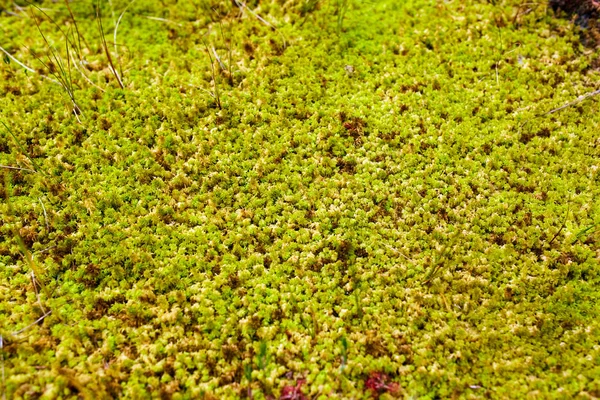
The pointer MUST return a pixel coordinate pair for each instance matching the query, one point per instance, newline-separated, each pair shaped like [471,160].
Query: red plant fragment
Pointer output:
[290,392]
[378,382]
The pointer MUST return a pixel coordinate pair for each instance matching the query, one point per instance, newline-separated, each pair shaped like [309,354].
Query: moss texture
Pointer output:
[356,199]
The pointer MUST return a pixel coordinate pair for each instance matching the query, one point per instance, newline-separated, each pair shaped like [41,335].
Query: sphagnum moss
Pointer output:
[381,204]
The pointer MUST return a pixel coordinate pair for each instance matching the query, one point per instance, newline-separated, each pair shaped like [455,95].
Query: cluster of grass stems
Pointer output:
[61,67]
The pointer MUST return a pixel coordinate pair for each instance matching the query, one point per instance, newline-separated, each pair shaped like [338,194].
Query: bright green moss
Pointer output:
[389,181]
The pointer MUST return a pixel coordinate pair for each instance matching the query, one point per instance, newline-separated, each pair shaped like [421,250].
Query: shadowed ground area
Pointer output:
[298,200]
[585,14]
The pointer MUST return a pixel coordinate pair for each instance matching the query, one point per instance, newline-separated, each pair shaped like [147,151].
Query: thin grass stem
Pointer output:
[35,166]
[37,294]
[85,76]
[214,76]
[63,75]
[115,35]
[18,168]
[228,44]
[105,46]
[26,67]
[162,20]
[37,321]
[223,68]
[576,101]
[45,214]
[242,6]
[79,35]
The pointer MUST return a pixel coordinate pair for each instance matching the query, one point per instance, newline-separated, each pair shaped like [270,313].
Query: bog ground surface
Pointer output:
[298,199]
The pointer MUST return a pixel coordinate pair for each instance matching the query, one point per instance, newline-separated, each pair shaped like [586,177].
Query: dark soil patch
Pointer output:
[586,14]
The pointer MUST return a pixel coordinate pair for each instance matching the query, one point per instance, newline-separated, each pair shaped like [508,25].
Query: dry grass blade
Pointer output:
[242,6]
[105,46]
[88,80]
[228,44]
[31,262]
[216,95]
[25,66]
[63,74]
[18,168]
[221,64]
[79,35]
[17,61]
[162,20]
[35,166]
[37,321]
[45,214]
[115,34]
[569,104]
[576,101]
[35,284]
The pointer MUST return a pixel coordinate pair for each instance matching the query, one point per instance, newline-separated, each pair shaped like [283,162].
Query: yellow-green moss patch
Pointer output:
[355,195]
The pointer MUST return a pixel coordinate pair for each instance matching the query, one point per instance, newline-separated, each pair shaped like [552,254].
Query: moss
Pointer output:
[379,198]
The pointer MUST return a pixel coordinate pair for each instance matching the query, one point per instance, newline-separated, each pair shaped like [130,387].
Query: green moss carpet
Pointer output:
[298,199]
